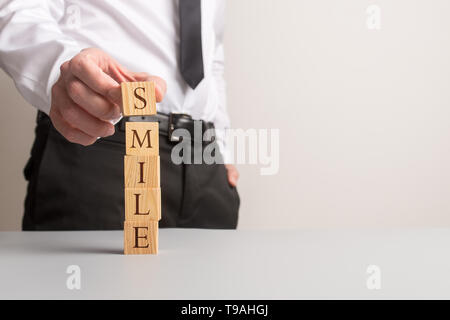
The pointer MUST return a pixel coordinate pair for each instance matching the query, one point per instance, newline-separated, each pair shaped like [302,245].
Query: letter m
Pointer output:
[141,142]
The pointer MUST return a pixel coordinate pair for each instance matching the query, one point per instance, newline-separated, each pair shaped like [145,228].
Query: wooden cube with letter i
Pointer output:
[141,170]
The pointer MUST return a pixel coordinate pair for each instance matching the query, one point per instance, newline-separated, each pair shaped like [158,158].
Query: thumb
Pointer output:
[160,84]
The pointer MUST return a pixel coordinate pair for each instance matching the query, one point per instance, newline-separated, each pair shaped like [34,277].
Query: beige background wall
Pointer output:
[16,132]
[363,115]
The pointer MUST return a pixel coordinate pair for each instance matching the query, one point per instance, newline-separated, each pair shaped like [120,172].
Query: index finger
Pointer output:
[86,70]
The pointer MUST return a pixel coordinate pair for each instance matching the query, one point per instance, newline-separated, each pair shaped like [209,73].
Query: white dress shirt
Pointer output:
[37,36]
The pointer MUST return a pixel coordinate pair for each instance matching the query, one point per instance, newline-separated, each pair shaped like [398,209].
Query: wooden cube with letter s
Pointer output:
[141,170]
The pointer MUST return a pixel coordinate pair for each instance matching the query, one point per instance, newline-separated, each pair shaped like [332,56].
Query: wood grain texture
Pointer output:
[140,237]
[142,204]
[142,171]
[138,98]
[142,138]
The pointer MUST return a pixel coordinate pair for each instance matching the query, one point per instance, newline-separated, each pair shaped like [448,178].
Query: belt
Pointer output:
[173,121]
[167,124]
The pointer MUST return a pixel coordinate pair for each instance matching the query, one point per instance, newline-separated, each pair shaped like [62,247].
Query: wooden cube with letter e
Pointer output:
[141,237]
[141,170]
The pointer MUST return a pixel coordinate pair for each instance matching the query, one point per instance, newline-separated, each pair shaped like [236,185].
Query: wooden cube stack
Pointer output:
[141,170]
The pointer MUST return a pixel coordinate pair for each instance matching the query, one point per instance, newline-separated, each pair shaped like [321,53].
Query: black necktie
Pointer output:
[191,60]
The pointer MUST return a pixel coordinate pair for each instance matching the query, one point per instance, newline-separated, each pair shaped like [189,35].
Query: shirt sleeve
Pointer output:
[222,120]
[32,47]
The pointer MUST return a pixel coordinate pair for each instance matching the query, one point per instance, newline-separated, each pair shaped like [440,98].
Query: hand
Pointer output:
[233,174]
[87,95]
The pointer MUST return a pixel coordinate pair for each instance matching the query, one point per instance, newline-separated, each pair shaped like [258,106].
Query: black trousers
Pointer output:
[71,187]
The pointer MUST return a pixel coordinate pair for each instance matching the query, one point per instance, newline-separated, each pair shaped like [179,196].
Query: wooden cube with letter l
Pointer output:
[142,204]
[141,170]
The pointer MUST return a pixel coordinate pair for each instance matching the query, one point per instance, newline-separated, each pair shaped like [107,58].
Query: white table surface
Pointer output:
[242,264]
